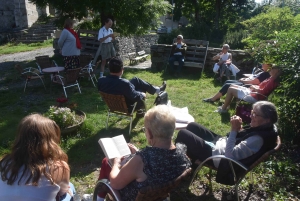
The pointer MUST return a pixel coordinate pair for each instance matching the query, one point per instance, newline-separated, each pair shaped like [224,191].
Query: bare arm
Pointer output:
[133,170]
[60,172]
[106,37]
[249,81]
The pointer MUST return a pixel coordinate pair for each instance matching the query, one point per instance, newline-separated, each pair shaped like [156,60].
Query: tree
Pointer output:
[132,16]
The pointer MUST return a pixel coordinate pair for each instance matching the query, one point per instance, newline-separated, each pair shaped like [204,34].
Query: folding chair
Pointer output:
[158,192]
[29,74]
[70,79]
[117,106]
[87,68]
[234,164]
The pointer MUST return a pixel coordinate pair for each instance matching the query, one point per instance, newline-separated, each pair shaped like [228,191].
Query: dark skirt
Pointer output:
[71,62]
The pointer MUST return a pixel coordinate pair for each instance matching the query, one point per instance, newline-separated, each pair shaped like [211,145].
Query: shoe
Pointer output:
[208,100]
[163,86]
[140,113]
[220,110]
[220,107]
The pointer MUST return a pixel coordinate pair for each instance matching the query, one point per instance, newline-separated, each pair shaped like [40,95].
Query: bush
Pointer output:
[234,38]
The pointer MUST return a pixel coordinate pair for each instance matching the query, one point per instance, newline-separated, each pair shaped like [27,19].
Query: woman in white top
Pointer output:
[36,168]
[225,59]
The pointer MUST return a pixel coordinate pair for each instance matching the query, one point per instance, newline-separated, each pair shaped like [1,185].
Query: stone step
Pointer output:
[35,37]
[39,34]
[40,31]
[30,41]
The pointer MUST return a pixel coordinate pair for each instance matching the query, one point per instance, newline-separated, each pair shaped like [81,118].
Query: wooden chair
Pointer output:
[117,106]
[87,68]
[237,178]
[44,62]
[70,79]
[158,192]
[29,74]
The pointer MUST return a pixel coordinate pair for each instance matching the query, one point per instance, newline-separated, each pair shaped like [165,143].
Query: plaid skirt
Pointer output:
[71,62]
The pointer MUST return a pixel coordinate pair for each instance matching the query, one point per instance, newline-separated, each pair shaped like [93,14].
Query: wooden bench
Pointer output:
[133,58]
[196,52]
[89,41]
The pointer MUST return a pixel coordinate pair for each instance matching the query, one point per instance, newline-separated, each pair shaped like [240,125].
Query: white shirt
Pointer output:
[105,32]
[178,46]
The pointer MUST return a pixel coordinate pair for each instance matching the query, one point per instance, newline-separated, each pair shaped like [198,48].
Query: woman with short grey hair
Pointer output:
[243,143]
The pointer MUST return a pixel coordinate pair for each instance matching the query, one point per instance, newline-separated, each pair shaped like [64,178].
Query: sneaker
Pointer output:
[163,86]
[220,110]
[220,107]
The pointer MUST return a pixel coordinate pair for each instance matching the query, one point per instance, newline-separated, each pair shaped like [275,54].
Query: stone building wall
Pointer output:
[7,19]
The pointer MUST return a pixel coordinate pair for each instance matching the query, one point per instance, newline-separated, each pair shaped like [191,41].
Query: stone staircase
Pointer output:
[38,33]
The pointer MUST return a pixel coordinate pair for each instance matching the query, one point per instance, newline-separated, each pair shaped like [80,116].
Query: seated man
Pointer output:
[225,63]
[177,54]
[133,90]
[255,80]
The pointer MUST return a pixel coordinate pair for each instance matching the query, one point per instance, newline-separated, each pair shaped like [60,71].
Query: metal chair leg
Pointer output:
[108,114]
[78,87]
[65,92]
[25,84]
[130,125]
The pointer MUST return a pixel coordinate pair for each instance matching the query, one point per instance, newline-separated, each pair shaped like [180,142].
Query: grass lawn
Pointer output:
[84,152]
[11,48]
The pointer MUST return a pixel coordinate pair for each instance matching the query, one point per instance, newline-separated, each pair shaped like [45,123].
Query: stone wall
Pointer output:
[7,19]
[125,45]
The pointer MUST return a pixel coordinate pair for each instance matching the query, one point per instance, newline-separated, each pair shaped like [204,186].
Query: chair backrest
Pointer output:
[266,155]
[72,75]
[85,60]
[161,191]
[115,103]
[196,50]
[44,61]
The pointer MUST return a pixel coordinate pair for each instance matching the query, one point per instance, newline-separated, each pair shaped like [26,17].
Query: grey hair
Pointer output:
[226,46]
[268,110]
[160,121]
[180,36]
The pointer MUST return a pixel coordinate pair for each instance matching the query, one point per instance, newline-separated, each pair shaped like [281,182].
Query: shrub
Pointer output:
[63,116]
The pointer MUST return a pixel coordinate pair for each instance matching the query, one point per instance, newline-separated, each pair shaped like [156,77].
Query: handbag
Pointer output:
[162,98]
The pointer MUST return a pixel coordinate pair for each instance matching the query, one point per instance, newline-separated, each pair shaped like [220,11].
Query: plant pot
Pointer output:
[72,129]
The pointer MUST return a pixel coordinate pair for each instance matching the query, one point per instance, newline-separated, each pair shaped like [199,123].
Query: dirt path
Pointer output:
[7,60]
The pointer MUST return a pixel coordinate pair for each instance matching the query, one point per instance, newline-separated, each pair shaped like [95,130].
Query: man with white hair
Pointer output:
[177,54]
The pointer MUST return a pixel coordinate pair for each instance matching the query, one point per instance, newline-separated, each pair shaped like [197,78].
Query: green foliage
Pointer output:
[132,17]
[234,38]
[198,31]
[265,25]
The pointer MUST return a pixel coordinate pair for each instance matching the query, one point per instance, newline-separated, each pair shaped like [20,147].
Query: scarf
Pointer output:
[78,45]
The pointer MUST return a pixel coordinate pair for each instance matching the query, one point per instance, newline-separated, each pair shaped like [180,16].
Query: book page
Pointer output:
[109,148]
[121,145]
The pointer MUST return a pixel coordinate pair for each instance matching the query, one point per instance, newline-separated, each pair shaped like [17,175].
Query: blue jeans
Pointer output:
[180,60]
[227,84]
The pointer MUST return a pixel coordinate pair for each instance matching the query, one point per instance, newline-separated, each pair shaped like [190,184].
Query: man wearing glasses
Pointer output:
[177,54]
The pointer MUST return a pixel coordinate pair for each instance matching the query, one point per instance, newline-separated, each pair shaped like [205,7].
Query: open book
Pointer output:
[114,147]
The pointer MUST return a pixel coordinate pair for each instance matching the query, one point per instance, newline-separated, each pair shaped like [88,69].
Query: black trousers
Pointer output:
[193,137]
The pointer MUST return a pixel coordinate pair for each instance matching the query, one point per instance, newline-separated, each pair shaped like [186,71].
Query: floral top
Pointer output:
[160,166]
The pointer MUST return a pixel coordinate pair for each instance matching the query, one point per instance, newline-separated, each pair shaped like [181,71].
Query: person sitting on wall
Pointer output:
[134,90]
[177,54]
[243,81]
[225,63]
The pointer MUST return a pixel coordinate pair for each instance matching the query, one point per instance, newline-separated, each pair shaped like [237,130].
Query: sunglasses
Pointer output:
[178,38]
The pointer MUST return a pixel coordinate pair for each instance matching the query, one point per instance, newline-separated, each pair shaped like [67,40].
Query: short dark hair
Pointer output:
[115,65]
[107,20]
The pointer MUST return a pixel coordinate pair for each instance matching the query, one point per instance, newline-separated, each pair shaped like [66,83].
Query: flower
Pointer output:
[63,116]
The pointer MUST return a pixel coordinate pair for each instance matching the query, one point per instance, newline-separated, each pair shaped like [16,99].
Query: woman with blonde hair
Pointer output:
[36,168]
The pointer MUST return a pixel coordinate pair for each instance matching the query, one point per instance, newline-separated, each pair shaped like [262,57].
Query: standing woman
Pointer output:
[70,46]
[36,168]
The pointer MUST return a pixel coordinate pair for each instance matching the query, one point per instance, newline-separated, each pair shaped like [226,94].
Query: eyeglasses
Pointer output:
[178,38]
[253,114]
